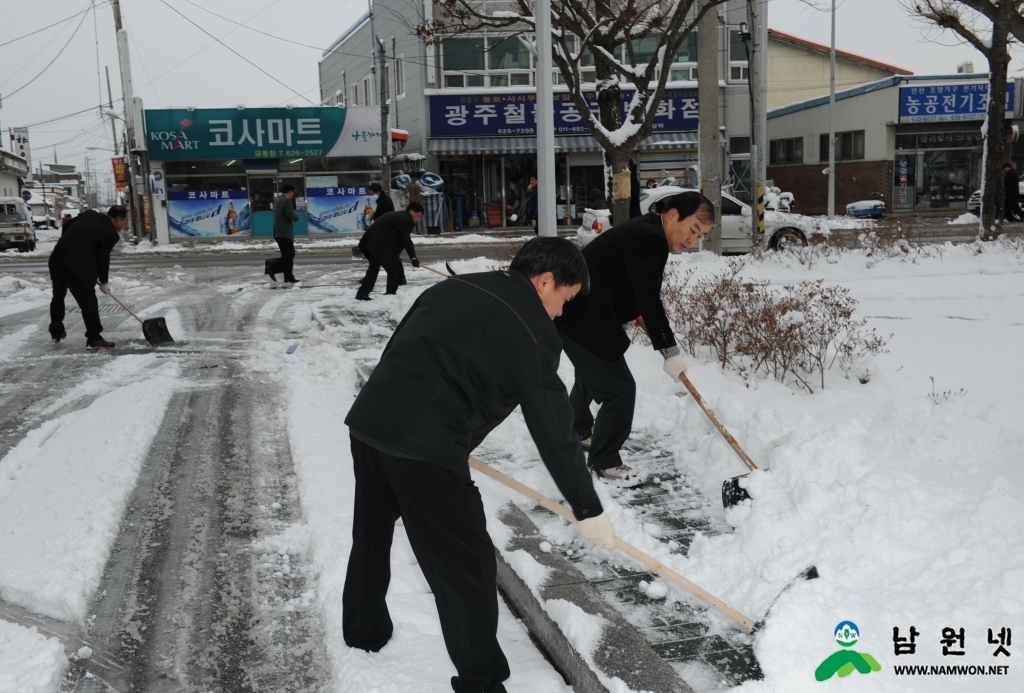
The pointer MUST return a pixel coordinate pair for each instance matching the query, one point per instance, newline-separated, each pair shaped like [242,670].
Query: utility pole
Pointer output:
[385,132]
[130,135]
[758,147]
[710,148]
[832,122]
[110,104]
[547,223]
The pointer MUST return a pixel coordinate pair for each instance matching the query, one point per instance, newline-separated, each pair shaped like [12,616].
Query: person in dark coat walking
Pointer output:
[1011,192]
[382,245]
[626,265]
[468,352]
[80,259]
[284,222]
[384,203]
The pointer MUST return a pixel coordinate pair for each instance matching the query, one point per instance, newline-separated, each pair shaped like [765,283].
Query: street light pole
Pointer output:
[832,122]
[130,130]
[547,224]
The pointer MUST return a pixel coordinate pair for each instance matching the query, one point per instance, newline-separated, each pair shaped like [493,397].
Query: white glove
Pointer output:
[674,366]
[105,287]
[598,530]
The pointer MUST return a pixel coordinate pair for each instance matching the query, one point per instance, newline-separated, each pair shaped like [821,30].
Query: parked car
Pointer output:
[16,227]
[974,203]
[781,228]
[870,209]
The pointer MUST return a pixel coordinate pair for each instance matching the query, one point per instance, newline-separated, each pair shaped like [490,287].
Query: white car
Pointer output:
[781,228]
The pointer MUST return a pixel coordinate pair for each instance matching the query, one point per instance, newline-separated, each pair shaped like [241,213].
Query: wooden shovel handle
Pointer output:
[714,419]
[636,554]
[111,294]
[431,269]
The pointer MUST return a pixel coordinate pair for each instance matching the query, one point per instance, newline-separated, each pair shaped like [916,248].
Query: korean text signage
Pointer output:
[338,210]
[262,133]
[946,103]
[20,145]
[497,114]
[121,175]
[207,213]
[904,183]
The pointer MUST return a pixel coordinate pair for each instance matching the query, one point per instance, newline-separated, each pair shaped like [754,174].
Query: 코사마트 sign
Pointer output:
[945,103]
[338,210]
[262,133]
[515,114]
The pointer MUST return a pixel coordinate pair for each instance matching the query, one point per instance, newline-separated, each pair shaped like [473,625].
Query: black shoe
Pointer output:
[293,280]
[100,344]
[58,340]
[266,270]
[361,297]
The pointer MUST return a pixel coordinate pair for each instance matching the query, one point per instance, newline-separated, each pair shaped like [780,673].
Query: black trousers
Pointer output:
[396,275]
[444,518]
[1011,209]
[611,385]
[284,263]
[64,281]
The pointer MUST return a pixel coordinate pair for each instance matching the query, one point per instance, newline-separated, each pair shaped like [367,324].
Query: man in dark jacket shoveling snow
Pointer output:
[383,243]
[469,351]
[80,259]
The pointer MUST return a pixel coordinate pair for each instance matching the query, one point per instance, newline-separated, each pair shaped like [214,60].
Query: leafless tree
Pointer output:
[600,28]
[985,24]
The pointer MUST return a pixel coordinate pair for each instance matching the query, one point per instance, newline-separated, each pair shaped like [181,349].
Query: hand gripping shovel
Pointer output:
[154,329]
[732,492]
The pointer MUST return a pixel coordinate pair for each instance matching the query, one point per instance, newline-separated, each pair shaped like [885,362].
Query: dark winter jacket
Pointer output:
[65,224]
[284,217]
[84,248]
[468,352]
[1011,186]
[626,263]
[384,205]
[389,235]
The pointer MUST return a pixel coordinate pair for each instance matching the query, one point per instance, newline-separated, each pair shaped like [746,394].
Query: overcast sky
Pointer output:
[175,64]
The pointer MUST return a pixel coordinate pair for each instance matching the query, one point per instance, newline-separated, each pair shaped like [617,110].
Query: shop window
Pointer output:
[739,71]
[400,76]
[787,151]
[849,146]
[354,99]
[203,168]
[368,99]
[186,183]
[342,164]
[739,145]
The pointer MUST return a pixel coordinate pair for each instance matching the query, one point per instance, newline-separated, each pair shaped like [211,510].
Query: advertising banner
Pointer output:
[904,183]
[121,174]
[947,103]
[20,145]
[208,213]
[497,114]
[338,210]
[262,133]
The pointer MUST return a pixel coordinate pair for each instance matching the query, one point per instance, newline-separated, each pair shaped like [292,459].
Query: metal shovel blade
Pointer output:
[156,332]
[733,493]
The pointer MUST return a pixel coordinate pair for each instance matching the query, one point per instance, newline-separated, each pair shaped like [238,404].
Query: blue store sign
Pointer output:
[511,114]
[946,103]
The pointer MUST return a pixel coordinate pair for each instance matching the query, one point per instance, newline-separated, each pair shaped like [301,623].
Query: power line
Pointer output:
[50,26]
[243,26]
[63,117]
[80,22]
[236,52]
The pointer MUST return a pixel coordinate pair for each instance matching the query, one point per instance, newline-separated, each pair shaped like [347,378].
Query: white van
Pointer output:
[16,228]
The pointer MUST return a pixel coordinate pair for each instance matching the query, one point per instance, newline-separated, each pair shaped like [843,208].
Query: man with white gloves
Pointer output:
[626,265]
[469,351]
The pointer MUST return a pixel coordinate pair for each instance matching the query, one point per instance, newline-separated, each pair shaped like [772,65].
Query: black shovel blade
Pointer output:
[156,332]
[733,493]
[449,268]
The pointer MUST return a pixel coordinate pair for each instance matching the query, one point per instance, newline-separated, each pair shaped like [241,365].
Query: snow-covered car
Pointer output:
[16,229]
[781,228]
[594,222]
[871,209]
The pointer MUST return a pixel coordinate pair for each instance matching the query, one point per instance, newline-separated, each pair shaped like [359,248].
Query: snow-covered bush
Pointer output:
[793,334]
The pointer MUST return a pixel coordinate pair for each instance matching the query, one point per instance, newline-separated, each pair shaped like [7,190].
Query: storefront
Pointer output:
[486,149]
[939,146]
[216,172]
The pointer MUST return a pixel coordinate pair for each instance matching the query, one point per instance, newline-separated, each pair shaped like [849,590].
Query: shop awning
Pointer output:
[576,144]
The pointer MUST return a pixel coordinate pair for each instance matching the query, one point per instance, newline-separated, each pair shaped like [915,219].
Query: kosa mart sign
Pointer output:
[262,133]
[947,103]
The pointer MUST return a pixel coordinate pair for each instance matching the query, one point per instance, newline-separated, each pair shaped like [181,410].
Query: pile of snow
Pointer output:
[29,662]
[966,218]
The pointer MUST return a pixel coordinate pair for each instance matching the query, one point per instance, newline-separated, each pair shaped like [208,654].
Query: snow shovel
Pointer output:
[154,329]
[744,622]
[732,492]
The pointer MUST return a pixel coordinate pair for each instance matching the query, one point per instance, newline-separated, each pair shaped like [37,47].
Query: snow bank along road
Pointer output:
[155,511]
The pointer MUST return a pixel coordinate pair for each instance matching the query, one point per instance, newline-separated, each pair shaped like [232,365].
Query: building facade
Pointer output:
[13,171]
[913,141]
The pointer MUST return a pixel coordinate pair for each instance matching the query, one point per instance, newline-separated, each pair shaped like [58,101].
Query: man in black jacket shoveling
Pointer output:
[626,266]
[382,244]
[80,259]
[469,351]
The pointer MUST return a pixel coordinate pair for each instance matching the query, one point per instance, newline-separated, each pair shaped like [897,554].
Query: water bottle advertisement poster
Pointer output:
[208,213]
[339,210]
